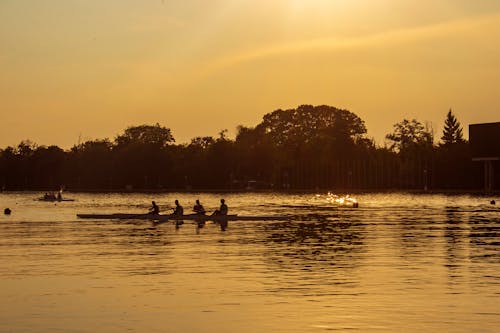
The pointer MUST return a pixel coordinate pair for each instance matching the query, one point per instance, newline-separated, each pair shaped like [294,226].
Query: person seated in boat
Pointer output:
[178,210]
[154,208]
[198,208]
[222,209]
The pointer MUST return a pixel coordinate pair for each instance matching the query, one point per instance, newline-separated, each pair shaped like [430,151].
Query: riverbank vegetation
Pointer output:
[309,147]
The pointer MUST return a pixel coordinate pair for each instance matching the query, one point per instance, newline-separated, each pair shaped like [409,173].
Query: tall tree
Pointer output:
[307,123]
[47,167]
[154,135]
[143,155]
[256,155]
[92,164]
[452,132]
[409,134]
[9,168]
[201,143]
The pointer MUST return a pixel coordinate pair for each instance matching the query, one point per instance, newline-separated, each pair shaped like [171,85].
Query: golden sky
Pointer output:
[88,69]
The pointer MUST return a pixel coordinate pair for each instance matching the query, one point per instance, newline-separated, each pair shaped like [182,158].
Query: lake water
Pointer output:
[398,263]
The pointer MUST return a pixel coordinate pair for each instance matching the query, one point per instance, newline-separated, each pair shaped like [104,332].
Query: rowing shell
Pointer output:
[158,217]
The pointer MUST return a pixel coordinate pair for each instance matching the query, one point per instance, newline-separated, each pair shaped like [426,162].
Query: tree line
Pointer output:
[308,147]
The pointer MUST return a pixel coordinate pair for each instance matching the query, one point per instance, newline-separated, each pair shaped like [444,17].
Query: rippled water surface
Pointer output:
[399,263]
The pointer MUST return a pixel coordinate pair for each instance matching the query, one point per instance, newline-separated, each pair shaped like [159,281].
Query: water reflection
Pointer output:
[397,263]
[418,232]
[317,240]
[455,246]
[223,225]
[484,237]
[311,257]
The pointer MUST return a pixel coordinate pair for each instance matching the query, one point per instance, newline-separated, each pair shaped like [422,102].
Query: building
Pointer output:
[484,140]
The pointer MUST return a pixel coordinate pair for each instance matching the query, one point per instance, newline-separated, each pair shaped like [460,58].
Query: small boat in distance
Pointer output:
[194,217]
[52,197]
[53,200]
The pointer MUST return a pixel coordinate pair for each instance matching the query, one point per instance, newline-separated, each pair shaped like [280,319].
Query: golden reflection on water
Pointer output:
[397,263]
[338,199]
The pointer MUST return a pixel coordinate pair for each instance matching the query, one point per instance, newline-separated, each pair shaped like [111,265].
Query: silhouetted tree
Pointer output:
[453,157]
[24,152]
[307,147]
[142,156]
[409,134]
[256,156]
[309,142]
[413,143]
[155,135]
[295,127]
[9,168]
[452,132]
[190,168]
[220,161]
[201,143]
[92,164]
[47,167]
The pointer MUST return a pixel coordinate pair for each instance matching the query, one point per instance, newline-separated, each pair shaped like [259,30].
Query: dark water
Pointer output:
[399,263]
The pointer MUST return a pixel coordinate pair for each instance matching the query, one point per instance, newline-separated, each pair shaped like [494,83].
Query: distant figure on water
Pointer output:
[492,202]
[154,208]
[59,195]
[222,209]
[178,210]
[198,208]
[49,196]
[7,211]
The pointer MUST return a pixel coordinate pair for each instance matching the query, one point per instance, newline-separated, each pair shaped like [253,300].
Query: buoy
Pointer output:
[7,211]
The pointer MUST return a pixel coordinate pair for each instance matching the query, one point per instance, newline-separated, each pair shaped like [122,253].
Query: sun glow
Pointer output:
[317,4]
[316,10]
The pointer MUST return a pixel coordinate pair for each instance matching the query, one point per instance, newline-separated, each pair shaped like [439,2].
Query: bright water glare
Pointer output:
[397,263]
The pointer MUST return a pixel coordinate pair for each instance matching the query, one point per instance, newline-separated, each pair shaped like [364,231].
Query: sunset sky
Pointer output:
[88,69]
